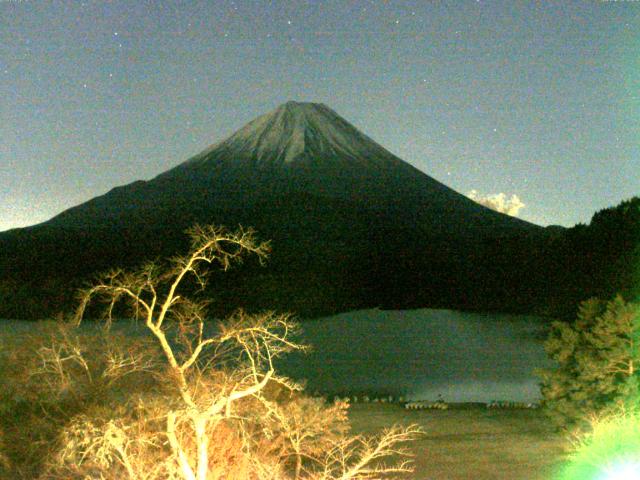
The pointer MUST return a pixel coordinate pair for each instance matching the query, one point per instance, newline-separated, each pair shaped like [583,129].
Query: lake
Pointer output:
[420,354]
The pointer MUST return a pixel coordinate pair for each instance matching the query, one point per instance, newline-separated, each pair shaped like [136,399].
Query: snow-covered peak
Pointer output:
[298,131]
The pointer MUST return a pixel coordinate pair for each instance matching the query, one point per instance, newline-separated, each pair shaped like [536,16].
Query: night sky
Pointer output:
[538,99]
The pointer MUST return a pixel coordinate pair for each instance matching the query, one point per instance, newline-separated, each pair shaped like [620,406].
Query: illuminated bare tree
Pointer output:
[155,296]
[221,375]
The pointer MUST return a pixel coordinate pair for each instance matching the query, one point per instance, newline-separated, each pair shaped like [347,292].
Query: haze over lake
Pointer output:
[424,353]
[421,354]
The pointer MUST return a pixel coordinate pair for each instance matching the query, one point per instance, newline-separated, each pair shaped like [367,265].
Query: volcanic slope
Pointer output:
[299,148]
[352,225]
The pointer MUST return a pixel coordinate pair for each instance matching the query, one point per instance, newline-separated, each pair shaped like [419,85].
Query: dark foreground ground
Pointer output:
[472,443]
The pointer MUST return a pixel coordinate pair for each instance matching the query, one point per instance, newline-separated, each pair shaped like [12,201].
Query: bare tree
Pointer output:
[359,458]
[221,377]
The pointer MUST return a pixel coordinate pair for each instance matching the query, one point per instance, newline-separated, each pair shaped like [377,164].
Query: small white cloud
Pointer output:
[498,202]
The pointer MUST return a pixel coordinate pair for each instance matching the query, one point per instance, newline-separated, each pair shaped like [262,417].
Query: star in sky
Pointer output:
[432,84]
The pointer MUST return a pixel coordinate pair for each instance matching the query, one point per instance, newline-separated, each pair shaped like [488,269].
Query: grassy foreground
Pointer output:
[472,443]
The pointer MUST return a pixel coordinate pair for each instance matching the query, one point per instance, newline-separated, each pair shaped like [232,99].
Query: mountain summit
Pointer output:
[297,133]
[307,148]
[298,150]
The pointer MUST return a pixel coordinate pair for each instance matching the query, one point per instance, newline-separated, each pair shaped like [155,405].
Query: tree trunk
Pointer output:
[200,425]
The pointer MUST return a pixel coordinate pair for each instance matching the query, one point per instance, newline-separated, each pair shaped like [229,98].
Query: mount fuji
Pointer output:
[299,148]
[351,224]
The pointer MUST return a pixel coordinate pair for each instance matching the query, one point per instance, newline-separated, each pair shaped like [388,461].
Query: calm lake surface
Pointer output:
[421,354]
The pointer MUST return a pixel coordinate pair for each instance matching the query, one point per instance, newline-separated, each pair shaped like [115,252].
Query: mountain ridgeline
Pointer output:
[352,226]
[298,149]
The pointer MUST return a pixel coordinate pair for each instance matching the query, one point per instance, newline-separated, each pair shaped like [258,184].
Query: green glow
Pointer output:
[623,471]
[610,452]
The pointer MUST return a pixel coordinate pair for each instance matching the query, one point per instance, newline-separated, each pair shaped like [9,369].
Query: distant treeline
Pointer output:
[366,265]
